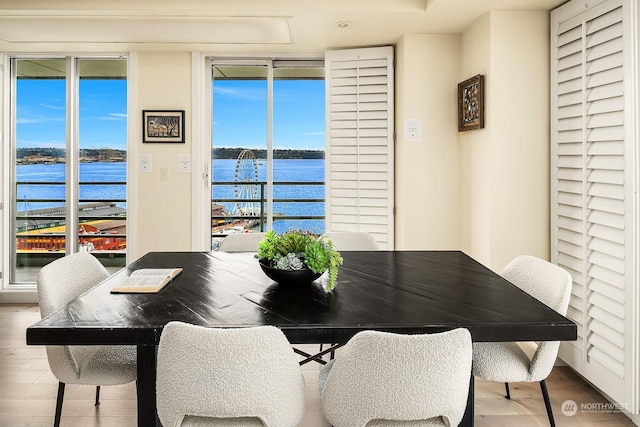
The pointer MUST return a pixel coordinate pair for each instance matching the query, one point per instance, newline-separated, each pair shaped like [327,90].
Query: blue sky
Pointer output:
[41,108]
[239,114]
[239,117]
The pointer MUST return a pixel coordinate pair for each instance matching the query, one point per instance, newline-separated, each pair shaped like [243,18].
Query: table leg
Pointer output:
[147,414]
[467,419]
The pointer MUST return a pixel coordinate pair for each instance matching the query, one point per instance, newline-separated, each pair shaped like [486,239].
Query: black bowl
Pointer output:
[288,277]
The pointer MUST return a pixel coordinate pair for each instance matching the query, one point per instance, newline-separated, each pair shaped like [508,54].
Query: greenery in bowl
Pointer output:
[297,250]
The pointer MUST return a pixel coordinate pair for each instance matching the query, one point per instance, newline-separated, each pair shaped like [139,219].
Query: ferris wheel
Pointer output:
[246,187]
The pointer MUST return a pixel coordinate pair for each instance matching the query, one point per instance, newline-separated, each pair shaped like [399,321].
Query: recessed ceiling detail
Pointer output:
[246,26]
[150,29]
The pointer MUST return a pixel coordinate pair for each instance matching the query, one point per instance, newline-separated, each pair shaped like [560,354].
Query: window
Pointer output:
[68,149]
[267,146]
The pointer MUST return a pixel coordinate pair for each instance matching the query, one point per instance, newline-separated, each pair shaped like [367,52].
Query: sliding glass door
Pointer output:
[68,168]
[267,146]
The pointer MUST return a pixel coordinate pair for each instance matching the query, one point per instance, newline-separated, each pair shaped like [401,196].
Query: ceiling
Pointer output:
[234,26]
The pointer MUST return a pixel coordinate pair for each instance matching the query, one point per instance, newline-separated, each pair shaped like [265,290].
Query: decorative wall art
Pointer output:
[471,103]
[163,126]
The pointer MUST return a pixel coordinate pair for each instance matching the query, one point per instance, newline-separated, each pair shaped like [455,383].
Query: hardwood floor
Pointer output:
[28,392]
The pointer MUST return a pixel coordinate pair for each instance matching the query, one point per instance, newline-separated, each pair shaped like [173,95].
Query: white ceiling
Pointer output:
[234,25]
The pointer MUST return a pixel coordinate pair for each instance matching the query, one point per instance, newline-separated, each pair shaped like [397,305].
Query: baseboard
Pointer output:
[635,418]
[18,297]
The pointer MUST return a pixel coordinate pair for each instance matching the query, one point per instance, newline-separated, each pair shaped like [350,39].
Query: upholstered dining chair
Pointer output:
[227,377]
[59,282]
[352,240]
[385,379]
[527,362]
[241,242]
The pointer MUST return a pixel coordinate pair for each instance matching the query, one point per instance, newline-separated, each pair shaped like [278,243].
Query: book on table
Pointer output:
[147,280]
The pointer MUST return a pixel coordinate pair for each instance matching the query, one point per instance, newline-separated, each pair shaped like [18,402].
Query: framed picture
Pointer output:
[163,126]
[471,103]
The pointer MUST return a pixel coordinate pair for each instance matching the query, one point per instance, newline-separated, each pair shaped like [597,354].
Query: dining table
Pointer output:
[408,292]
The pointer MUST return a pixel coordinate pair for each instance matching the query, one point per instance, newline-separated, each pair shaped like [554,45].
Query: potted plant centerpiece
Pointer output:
[298,256]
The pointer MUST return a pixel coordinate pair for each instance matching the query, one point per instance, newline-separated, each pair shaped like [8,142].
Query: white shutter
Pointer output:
[359,155]
[592,199]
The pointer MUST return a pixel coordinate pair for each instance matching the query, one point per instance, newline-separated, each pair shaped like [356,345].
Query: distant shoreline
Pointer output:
[49,155]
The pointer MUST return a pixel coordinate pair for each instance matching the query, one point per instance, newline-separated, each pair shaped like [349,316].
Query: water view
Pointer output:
[47,190]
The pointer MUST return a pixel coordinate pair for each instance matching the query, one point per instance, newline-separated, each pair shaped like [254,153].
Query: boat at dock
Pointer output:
[102,227]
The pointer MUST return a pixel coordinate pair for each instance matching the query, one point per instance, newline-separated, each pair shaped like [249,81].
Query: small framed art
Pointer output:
[163,126]
[471,103]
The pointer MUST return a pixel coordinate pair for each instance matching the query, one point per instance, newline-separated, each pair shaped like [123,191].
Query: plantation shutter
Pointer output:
[592,199]
[359,155]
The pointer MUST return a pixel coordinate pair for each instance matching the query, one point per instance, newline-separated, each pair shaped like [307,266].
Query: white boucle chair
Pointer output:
[384,379]
[227,377]
[59,282]
[352,240]
[527,362]
[241,242]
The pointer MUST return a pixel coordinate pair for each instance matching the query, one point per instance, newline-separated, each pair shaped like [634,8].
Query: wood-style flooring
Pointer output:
[28,392]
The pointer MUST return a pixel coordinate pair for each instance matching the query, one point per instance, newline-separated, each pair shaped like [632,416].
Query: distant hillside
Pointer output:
[40,151]
[233,153]
[43,154]
[217,153]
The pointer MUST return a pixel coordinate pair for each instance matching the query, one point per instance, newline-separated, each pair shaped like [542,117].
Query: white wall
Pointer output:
[483,191]
[475,146]
[519,127]
[427,177]
[162,219]
[505,166]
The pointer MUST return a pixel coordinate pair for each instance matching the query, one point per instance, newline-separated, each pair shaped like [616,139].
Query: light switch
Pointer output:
[144,162]
[184,163]
[412,130]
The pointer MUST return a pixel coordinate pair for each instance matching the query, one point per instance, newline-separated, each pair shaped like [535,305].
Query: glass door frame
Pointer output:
[4,169]
[268,63]
[201,113]
[8,117]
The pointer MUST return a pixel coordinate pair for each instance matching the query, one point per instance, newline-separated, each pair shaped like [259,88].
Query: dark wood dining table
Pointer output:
[406,292]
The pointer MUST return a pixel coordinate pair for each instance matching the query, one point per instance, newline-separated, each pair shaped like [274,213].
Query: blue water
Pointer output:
[284,170]
[55,173]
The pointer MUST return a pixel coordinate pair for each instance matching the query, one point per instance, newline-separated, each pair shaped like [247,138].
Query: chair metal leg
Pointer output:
[97,395]
[56,420]
[547,402]
[506,387]
[332,355]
